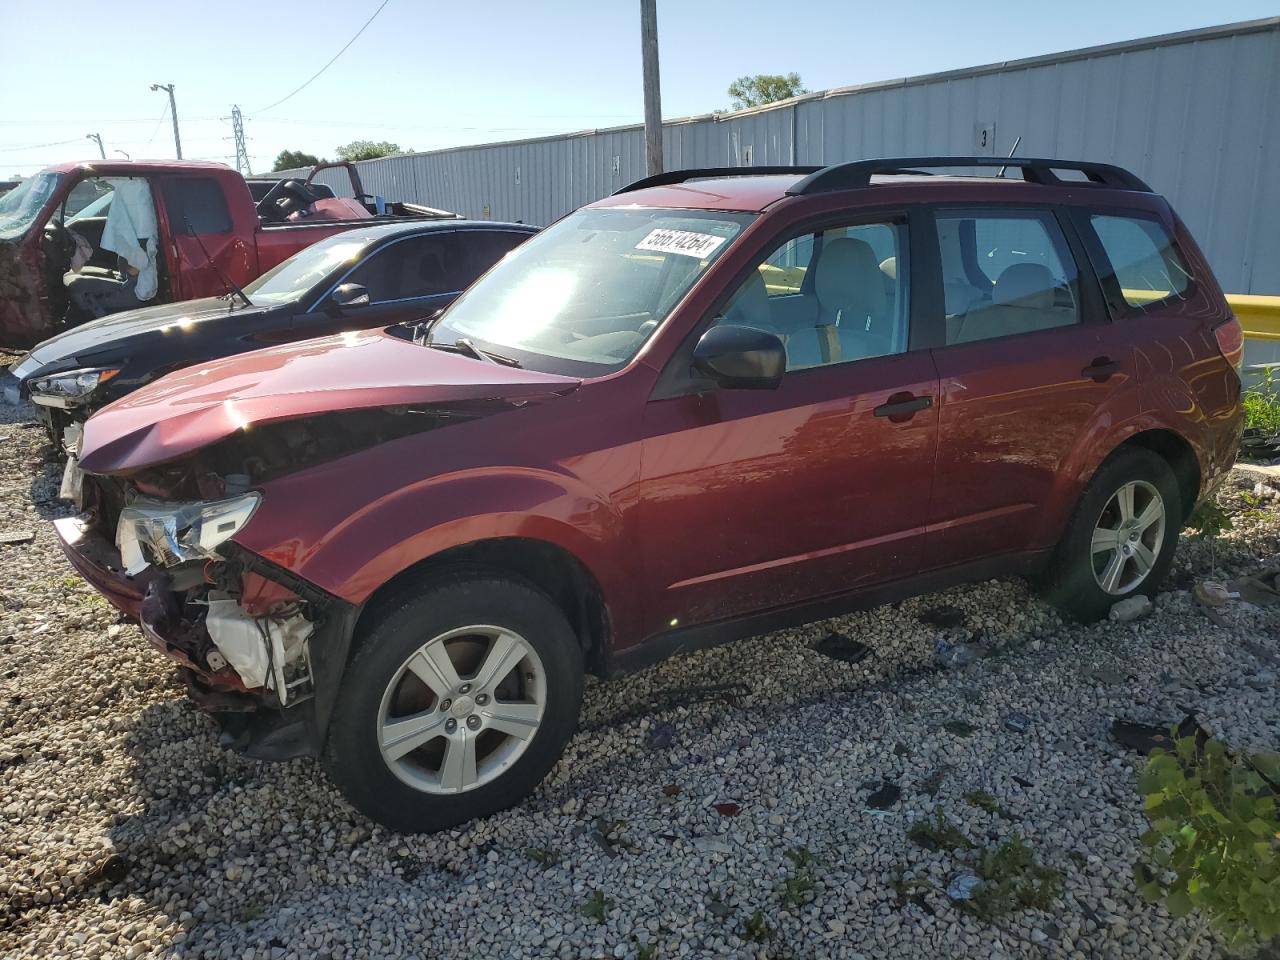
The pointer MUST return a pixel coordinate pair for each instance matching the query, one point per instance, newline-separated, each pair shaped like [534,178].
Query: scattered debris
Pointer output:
[727,808]
[944,617]
[960,728]
[1017,722]
[1131,609]
[1213,594]
[885,797]
[1259,589]
[963,884]
[672,790]
[111,870]
[1145,737]
[661,736]
[17,536]
[712,845]
[837,646]
[956,655]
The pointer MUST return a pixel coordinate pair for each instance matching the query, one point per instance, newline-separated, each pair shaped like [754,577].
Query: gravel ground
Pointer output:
[678,810]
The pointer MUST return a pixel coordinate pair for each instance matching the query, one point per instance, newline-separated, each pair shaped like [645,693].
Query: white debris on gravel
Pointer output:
[127,832]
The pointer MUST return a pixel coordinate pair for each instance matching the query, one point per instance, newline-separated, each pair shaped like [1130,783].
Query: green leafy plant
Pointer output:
[597,907]
[1261,402]
[646,951]
[754,928]
[1012,880]
[1214,841]
[985,801]
[938,833]
[802,880]
[1210,521]
[544,858]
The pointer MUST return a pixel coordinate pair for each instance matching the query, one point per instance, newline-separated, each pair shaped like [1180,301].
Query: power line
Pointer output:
[163,113]
[37,146]
[330,63]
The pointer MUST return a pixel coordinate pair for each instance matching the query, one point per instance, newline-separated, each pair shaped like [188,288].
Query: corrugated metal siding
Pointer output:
[1195,115]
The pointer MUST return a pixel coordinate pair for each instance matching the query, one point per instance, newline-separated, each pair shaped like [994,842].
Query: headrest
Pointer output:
[1025,285]
[848,277]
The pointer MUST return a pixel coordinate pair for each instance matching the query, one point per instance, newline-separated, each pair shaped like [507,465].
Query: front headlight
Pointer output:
[152,531]
[70,389]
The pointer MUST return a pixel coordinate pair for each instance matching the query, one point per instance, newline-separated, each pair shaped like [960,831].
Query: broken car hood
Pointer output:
[198,406]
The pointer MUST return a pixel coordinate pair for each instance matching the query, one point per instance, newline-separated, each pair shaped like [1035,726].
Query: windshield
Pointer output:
[292,279]
[591,288]
[21,205]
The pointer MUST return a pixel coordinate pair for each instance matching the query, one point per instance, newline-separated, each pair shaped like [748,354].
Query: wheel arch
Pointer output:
[1181,457]
[549,567]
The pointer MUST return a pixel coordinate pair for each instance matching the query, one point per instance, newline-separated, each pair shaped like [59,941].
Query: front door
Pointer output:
[1029,362]
[757,499]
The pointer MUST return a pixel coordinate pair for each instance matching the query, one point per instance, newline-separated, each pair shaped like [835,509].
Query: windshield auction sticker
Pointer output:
[684,242]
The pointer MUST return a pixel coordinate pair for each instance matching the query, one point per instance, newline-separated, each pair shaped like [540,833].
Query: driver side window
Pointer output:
[833,296]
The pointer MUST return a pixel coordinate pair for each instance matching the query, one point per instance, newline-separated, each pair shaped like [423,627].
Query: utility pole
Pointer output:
[652,87]
[97,138]
[242,151]
[173,112]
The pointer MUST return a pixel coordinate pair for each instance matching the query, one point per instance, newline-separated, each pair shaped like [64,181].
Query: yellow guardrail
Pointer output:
[1258,315]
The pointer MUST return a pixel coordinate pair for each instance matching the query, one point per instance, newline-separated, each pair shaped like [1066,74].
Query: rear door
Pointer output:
[757,499]
[1029,363]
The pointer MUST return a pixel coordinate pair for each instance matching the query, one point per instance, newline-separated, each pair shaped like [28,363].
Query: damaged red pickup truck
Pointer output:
[714,404]
[82,240]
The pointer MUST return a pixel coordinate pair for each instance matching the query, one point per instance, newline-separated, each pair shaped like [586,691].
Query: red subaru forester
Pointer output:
[715,403]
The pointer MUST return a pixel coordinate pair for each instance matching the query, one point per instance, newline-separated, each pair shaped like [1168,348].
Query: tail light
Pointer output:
[1230,339]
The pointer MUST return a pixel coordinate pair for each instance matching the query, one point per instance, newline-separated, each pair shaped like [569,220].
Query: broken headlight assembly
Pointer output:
[167,534]
[70,389]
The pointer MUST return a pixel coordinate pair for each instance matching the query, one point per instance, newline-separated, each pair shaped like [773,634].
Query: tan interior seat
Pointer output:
[1022,300]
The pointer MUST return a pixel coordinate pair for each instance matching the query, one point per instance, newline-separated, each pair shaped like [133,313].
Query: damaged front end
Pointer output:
[260,649]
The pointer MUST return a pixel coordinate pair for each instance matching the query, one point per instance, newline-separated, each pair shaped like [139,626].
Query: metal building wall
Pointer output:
[1196,115]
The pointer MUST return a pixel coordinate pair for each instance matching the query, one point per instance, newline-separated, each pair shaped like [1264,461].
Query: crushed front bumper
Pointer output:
[253,720]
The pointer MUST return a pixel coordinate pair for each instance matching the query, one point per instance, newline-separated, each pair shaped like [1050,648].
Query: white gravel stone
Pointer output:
[127,832]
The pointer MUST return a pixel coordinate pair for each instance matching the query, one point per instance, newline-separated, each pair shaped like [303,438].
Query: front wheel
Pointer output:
[458,701]
[1120,539]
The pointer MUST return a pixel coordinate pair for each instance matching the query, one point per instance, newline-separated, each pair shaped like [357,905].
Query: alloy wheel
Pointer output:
[462,709]
[1127,537]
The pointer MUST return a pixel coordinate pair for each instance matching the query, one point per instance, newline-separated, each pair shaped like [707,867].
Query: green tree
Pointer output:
[368,150]
[764,88]
[292,159]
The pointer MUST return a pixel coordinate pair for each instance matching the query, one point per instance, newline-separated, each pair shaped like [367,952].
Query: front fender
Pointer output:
[390,532]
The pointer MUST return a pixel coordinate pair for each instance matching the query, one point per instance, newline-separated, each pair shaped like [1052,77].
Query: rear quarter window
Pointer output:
[1143,266]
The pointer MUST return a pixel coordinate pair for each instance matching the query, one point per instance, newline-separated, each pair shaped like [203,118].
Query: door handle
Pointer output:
[902,407]
[1100,369]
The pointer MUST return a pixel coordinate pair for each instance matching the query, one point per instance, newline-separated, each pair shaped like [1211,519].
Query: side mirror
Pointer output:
[349,295]
[741,358]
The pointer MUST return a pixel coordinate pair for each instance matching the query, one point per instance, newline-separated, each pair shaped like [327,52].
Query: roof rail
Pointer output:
[858,173]
[708,173]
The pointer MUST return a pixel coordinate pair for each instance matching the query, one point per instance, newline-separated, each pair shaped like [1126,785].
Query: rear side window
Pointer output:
[1144,261]
[475,251]
[1005,272]
[196,205]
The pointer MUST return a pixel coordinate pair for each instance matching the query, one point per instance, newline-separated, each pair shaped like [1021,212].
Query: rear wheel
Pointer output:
[457,703]
[1120,539]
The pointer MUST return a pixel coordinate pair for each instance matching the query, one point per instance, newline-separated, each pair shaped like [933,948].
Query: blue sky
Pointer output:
[428,74]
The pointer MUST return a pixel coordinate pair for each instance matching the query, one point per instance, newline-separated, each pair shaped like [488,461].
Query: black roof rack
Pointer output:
[710,173]
[858,173]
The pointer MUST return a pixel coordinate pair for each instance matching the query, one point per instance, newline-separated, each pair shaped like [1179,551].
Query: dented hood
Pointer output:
[196,407]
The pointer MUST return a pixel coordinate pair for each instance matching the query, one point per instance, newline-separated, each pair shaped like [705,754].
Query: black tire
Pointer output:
[352,753]
[1069,582]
